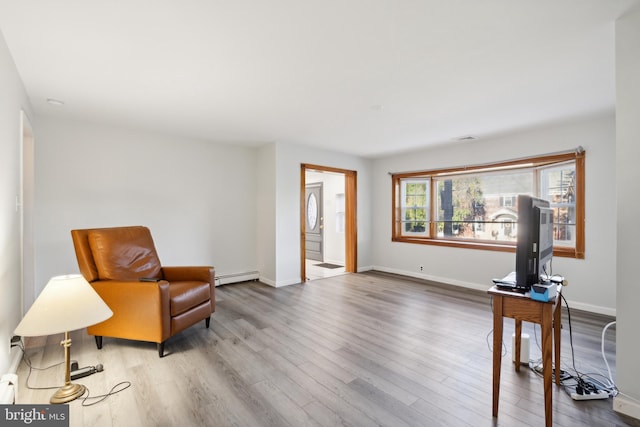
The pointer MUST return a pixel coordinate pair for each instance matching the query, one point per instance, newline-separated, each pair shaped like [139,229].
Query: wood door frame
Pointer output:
[351,224]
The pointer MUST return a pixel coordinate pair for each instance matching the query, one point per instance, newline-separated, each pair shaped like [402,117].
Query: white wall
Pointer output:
[266,214]
[198,198]
[236,208]
[289,158]
[592,280]
[628,213]
[13,99]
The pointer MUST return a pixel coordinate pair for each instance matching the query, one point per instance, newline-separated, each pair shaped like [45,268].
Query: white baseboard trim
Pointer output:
[289,282]
[267,281]
[626,406]
[438,279]
[483,287]
[593,308]
[280,283]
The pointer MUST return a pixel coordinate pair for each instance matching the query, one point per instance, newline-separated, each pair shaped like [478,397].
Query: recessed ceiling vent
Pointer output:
[467,138]
[55,102]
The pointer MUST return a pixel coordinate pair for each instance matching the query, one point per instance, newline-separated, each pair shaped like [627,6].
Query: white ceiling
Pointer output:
[365,77]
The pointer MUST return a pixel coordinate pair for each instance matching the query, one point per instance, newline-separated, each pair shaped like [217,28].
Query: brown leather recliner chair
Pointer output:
[149,302]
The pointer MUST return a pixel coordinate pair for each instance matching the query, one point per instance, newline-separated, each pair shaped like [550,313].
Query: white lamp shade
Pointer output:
[67,303]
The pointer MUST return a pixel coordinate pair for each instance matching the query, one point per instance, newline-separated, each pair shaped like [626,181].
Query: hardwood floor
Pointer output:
[357,349]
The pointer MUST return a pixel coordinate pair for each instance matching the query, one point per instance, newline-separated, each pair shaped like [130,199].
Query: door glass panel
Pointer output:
[312,211]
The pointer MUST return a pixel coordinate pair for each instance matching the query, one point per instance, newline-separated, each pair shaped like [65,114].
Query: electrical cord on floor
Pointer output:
[504,347]
[32,368]
[604,357]
[571,378]
[584,382]
[121,386]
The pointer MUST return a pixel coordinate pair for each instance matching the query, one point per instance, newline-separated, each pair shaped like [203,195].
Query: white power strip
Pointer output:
[600,394]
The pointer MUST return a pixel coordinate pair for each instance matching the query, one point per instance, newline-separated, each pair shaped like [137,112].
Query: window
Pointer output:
[557,184]
[415,207]
[475,207]
[508,201]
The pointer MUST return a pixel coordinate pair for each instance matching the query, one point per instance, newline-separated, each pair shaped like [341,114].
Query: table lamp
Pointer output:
[67,303]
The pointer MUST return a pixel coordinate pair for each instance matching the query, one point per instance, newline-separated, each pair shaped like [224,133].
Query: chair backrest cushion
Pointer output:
[84,255]
[124,253]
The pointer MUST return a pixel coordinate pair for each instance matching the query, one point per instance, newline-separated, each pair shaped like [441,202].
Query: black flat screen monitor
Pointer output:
[534,249]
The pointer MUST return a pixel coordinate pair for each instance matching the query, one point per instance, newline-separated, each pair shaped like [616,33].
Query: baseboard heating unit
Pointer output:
[9,381]
[225,279]
[8,388]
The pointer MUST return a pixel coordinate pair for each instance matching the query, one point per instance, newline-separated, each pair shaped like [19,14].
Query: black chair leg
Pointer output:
[161,349]
[98,342]
[207,321]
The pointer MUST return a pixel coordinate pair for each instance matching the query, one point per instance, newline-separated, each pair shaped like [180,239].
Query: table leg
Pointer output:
[547,361]
[497,350]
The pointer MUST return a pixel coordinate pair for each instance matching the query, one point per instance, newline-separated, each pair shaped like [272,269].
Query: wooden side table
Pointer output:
[522,308]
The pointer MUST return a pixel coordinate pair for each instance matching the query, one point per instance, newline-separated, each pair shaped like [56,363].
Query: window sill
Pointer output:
[563,252]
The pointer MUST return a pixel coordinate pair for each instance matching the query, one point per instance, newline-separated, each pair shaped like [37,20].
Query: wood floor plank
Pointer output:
[327,405]
[407,413]
[353,350]
[294,414]
[378,414]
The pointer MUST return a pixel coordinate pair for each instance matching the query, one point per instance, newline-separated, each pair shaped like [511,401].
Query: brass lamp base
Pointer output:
[67,393]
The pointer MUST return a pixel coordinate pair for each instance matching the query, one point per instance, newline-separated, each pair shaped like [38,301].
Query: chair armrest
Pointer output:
[140,309]
[197,273]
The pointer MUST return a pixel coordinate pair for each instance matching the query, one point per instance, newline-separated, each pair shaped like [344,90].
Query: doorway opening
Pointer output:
[328,222]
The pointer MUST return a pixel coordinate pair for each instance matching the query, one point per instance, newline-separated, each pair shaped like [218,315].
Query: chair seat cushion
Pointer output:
[188,294]
[124,253]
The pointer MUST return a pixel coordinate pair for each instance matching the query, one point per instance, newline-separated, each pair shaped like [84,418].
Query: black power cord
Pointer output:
[576,381]
[121,386]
